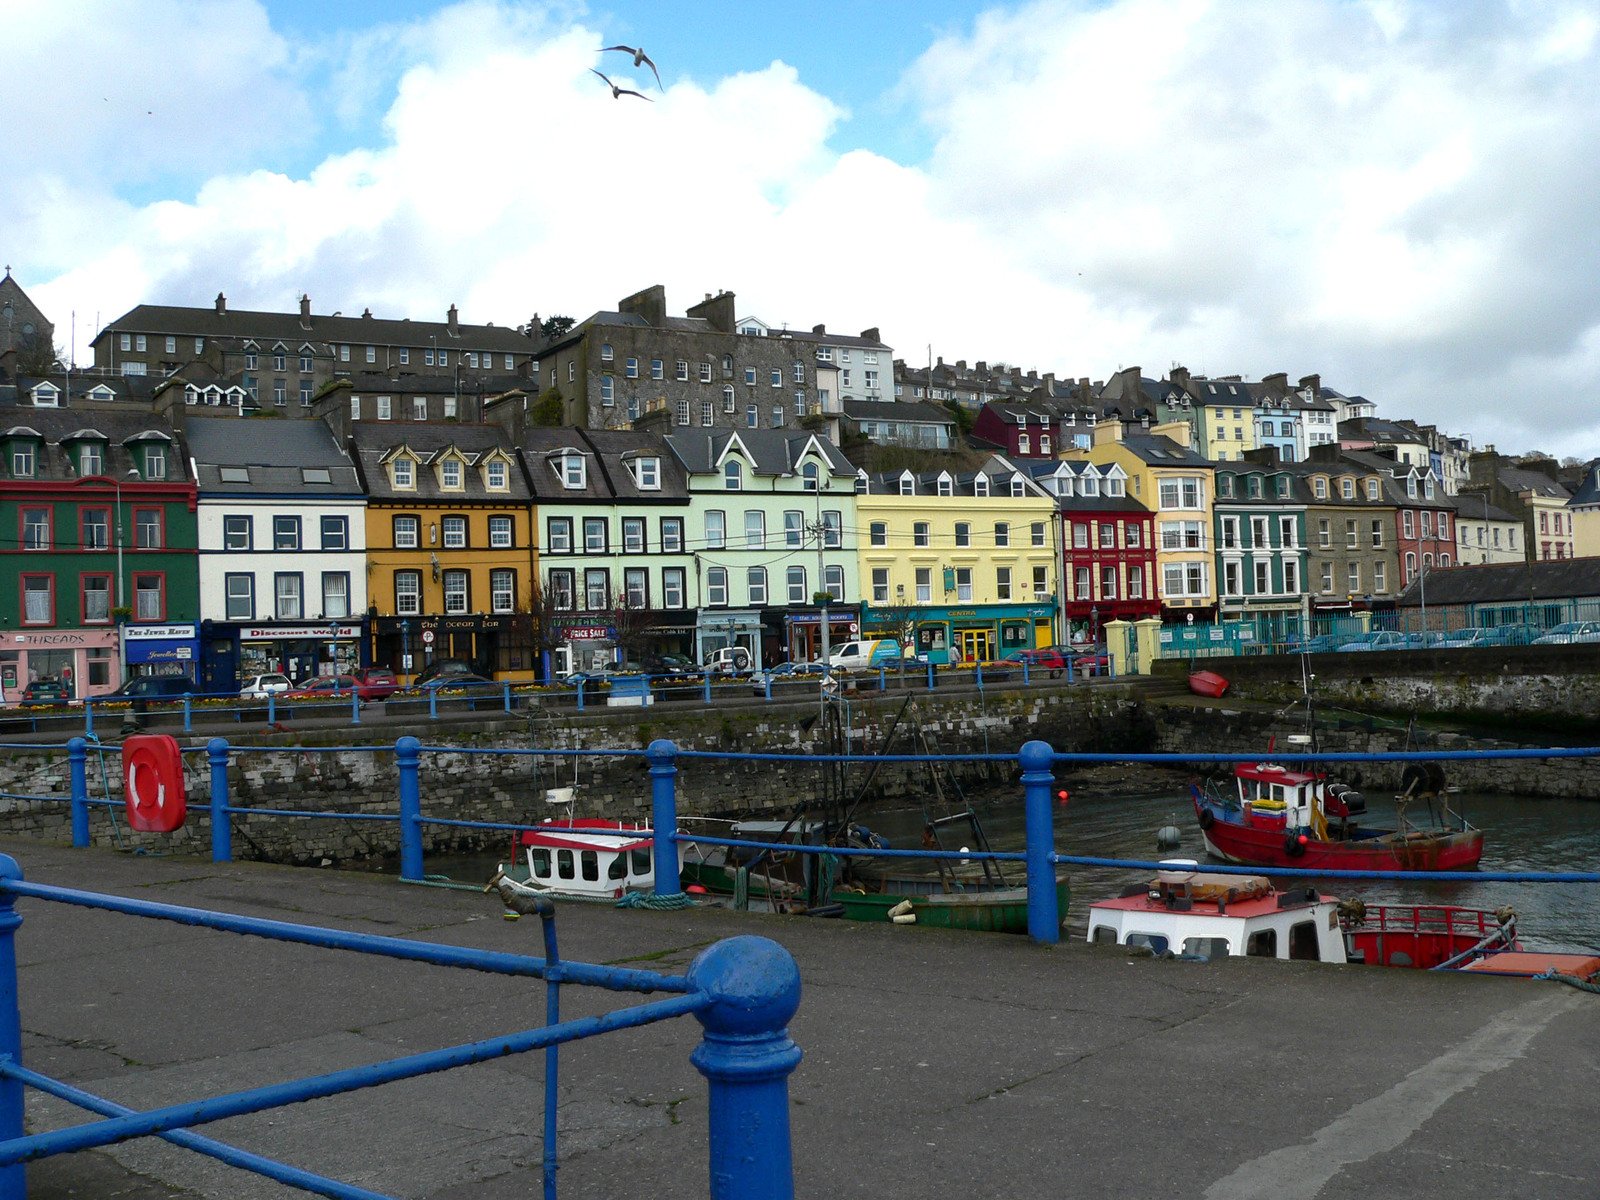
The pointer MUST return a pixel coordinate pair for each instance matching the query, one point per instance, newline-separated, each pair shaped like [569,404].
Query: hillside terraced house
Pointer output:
[1260,536]
[1107,543]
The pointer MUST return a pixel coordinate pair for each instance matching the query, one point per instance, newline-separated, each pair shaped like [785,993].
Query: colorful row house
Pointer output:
[98,511]
[964,566]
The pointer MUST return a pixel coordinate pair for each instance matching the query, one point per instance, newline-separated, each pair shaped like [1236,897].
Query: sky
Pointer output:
[1396,195]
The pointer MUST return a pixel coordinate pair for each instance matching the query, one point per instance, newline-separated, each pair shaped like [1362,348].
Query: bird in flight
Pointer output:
[640,58]
[618,92]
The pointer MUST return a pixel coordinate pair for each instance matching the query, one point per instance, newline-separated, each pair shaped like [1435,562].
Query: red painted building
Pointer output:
[1034,429]
[1108,546]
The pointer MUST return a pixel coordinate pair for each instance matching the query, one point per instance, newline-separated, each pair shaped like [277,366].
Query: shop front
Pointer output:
[975,633]
[299,650]
[85,660]
[669,633]
[583,646]
[803,630]
[718,628]
[162,650]
[498,646]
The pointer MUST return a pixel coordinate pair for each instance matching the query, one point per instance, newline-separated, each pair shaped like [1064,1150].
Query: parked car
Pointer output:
[600,674]
[1570,631]
[1097,661]
[789,672]
[460,683]
[671,666]
[730,660]
[1382,639]
[326,687]
[445,666]
[258,687]
[376,683]
[46,689]
[1497,635]
[154,687]
[1322,643]
[1048,658]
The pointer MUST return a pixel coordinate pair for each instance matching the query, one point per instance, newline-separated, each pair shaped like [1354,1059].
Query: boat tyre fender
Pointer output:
[1292,845]
[1207,818]
[1422,779]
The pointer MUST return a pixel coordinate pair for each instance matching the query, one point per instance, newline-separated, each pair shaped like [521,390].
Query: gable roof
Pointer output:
[267,327]
[276,454]
[1508,583]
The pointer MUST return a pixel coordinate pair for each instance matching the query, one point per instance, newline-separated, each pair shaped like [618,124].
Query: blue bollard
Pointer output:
[13,1179]
[662,755]
[506,685]
[930,677]
[272,708]
[188,713]
[408,761]
[883,679]
[977,675]
[1024,672]
[77,769]
[1044,918]
[433,704]
[708,687]
[221,821]
[355,706]
[580,695]
[767,679]
[747,1056]
[88,717]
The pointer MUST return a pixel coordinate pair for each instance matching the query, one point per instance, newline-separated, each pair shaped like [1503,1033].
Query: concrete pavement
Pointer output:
[936,1063]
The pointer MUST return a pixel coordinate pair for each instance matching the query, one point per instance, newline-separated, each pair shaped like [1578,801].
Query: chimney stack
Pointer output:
[222,305]
[305,311]
[819,330]
[1277,383]
[451,322]
[1313,382]
[871,335]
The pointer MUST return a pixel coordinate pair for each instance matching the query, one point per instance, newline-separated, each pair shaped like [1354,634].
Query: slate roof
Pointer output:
[446,383]
[275,453]
[124,388]
[1588,491]
[774,451]
[374,443]
[1161,451]
[607,476]
[1509,583]
[997,470]
[285,327]
[897,410]
[1521,479]
[122,428]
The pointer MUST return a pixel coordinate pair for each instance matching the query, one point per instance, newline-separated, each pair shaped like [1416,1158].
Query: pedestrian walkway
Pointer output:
[936,1063]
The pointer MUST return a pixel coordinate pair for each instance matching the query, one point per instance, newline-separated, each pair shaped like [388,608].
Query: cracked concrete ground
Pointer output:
[935,1062]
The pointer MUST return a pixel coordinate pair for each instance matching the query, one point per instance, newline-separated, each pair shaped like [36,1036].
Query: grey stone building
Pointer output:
[26,333]
[706,369]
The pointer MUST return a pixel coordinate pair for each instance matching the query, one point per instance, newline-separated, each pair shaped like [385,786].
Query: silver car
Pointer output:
[259,687]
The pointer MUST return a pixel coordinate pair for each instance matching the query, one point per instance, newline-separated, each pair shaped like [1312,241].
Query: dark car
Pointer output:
[789,672]
[460,683]
[375,683]
[47,689]
[154,687]
[445,666]
[671,666]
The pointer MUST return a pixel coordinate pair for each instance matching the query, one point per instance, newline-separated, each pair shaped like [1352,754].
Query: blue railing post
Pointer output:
[408,761]
[1024,672]
[188,713]
[930,677]
[78,772]
[767,678]
[272,708]
[883,679]
[747,1057]
[580,695]
[662,755]
[355,706]
[88,717]
[221,821]
[506,685]
[708,687]
[433,704]
[1044,919]
[13,1179]
[977,675]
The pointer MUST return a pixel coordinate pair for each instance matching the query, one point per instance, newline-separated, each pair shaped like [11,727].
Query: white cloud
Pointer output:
[1397,195]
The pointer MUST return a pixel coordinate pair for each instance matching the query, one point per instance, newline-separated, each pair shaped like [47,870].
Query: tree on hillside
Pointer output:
[542,329]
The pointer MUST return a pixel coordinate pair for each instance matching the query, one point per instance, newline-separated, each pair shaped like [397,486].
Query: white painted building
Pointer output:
[282,541]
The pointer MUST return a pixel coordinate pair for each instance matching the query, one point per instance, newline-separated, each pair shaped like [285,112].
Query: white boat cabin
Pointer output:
[1211,915]
[598,860]
[1274,796]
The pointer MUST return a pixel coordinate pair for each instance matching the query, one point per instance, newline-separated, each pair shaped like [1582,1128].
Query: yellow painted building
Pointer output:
[963,565]
[1177,485]
[1225,426]
[450,556]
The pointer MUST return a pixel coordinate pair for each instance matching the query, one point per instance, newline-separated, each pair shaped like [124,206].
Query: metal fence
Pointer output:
[742,990]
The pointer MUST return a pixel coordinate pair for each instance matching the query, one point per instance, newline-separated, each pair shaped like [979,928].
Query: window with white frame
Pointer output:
[405,532]
[795,583]
[880,585]
[636,588]
[558,535]
[672,587]
[755,582]
[408,593]
[1181,492]
[594,535]
[597,590]
[1002,583]
[964,584]
[924,585]
[633,535]
[755,529]
[716,530]
[335,595]
[455,532]
[832,529]
[286,589]
[717,587]
[671,535]
[920,533]
[455,593]
[833,582]
[500,533]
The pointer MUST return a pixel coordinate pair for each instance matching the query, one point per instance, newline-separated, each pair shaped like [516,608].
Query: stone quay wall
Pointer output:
[308,772]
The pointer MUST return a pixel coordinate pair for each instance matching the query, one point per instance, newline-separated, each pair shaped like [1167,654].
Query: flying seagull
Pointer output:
[640,59]
[619,92]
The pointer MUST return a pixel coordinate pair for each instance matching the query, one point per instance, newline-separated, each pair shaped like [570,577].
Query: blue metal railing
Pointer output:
[1035,763]
[742,990]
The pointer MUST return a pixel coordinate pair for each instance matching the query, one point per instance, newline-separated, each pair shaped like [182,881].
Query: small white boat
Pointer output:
[589,859]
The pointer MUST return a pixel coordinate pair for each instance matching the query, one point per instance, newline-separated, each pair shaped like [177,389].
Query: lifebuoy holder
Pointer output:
[152,783]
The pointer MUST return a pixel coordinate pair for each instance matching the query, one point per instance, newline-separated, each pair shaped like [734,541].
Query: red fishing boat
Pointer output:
[1280,816]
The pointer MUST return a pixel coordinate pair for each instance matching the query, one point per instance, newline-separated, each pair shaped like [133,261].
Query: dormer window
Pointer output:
[101,392]
[1225,486]
[646,473]
[91,459]
[1018,490]
[1319,487]
[1427,489]
[46,395]
[732,476]
[495,477]
[861,482]
[404,470]
[155,462]
[908,486]
[1411,486]
[945,487]
[1088,484]
[22,460]
[1116,486]
[1347,489]
[808,476]
[574,470]
[980,485]
[450,474]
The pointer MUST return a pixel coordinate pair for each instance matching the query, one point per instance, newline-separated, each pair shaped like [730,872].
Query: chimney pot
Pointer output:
[222,305]
[451,322]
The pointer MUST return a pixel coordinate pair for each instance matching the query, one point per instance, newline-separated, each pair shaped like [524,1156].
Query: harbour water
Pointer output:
[1520,834]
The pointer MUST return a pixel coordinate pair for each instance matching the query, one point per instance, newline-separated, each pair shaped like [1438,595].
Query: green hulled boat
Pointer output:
[1002,910]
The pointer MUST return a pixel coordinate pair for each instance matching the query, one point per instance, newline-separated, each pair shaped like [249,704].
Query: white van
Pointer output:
[865,653]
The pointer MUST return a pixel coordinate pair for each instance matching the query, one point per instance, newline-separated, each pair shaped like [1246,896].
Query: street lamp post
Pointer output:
[122,583]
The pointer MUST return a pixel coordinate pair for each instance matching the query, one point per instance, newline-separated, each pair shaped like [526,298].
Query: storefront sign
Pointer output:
[51,639]
[586,633]
[270,633]
[158,633]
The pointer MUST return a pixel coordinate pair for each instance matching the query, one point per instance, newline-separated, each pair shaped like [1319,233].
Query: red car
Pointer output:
[1096,662]
[326,687]
[1046,658]
[376,683]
